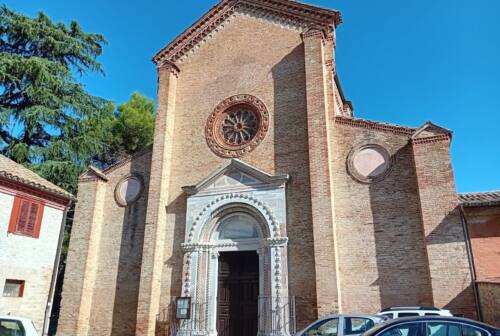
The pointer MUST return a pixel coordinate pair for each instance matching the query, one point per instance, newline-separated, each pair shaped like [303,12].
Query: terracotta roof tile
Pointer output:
[13,171]
[480,199]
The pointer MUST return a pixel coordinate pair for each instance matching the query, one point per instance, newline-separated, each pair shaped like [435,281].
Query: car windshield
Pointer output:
[10,327]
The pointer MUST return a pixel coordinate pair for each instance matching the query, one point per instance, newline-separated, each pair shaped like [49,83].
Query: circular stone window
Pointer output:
[369,163]
[128,190]
[237,125]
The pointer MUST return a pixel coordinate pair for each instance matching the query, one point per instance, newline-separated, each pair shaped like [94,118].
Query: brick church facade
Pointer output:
[262,185]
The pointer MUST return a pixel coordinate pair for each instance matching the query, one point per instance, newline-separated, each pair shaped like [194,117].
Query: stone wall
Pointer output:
[102,277]
[489,298]
[29,259]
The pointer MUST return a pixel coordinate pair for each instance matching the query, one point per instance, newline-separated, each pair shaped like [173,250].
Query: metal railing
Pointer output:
[276,316]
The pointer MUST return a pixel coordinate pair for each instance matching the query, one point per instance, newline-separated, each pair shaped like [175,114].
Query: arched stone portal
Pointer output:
[236,209]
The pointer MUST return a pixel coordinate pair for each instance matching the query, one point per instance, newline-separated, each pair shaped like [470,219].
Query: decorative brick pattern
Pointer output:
[212,20]
[437,138]
[361,123]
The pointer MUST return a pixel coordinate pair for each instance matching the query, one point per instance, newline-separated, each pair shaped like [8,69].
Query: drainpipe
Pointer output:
[465,227]
[55,272]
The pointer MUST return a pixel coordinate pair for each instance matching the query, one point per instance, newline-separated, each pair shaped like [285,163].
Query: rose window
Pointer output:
[239,127]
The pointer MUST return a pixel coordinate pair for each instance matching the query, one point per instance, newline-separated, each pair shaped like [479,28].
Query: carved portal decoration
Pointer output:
[237,126]
[236,208]
[369,163]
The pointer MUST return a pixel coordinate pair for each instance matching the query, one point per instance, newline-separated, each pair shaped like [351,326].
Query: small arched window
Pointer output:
[238,226]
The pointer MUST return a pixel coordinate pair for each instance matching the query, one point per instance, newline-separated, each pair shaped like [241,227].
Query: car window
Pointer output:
[357,325]
[431,314]
[407,314]
[472,331]
[406,329]
[11,328]
[389,315]
[324,328]
[443,329]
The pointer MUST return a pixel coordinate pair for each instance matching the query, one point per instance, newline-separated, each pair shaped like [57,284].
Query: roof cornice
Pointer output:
[313,17]
[384,127]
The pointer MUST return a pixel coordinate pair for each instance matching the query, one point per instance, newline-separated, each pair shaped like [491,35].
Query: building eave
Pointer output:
[480,199]
[313,15]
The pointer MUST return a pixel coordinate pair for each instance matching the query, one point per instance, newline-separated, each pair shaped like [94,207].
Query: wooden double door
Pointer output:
[238,294]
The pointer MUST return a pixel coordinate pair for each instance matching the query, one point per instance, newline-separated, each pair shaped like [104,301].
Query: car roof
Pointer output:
[11,317]
[353,315]
[411,308]
[429,318]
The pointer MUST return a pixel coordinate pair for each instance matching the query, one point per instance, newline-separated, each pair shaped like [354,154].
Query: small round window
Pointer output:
[128,190]
[369,163]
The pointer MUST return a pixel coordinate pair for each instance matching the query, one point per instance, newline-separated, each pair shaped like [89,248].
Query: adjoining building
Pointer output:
[481,213]
[32,214]
[264,202]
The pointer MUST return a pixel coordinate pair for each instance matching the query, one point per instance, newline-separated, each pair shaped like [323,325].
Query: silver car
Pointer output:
[341,325]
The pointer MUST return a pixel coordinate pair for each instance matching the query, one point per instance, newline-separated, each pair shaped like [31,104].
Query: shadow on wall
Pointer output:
[450,231]
[404,276]
[130,260]
[173,263]
[291,150]
[460,305]
[401,244]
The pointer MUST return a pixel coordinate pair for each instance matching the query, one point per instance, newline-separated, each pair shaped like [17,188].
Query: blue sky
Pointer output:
[403,62]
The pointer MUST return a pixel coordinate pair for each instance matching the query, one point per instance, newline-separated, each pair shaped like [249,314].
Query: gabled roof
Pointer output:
[93,172]
[430,130]
[491,198]
[15,172]
[238,165]
[312,16]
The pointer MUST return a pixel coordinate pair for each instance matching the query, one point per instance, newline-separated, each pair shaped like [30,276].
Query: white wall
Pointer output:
[28,259]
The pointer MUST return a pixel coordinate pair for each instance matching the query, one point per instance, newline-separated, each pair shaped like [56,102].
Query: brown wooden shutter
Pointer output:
[26,217]
[32,218]
[22,221]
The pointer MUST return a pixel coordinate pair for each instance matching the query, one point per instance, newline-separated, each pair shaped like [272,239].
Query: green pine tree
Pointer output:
[129,131]
[47,119]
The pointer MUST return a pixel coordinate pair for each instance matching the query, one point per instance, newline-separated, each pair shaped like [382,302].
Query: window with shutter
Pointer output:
[13,288]
[26,217]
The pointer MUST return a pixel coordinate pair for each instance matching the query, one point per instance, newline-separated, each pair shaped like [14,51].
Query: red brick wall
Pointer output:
[239,60]
[484,232]
[382,254]
[445,238]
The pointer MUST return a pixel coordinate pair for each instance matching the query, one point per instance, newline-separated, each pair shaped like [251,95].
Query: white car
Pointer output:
[341,325]
[16,326]
[397,312]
